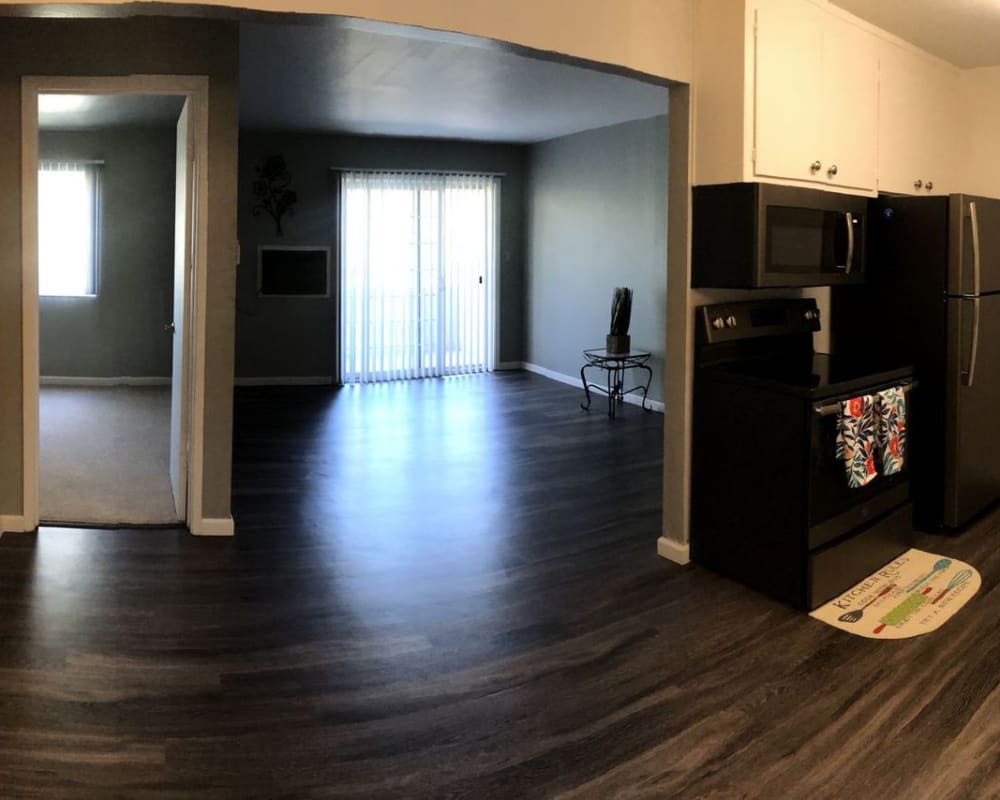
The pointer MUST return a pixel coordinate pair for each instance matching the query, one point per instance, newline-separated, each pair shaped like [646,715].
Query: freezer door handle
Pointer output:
[977,265]
[970,375]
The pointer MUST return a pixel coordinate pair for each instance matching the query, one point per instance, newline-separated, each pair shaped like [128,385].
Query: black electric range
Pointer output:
[771,505]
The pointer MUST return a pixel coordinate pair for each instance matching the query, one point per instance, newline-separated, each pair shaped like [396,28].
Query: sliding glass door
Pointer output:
[418,275]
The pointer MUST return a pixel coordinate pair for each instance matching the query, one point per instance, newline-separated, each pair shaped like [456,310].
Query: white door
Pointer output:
[183,261]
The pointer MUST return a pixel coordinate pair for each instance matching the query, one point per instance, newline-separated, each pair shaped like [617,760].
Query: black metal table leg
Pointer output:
[586,388]
[645,389]
[611,396]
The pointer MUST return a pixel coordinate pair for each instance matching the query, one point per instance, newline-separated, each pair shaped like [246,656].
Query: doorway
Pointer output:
[113,263]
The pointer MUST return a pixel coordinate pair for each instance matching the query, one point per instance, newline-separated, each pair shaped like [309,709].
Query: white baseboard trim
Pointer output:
[673,551]
[213,526]
[508,366]
[289,380]
[121,380]
[551,374]
[12,524]
[545,372]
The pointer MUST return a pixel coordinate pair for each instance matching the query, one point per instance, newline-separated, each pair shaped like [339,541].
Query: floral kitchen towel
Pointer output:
[890,429]
[856,439]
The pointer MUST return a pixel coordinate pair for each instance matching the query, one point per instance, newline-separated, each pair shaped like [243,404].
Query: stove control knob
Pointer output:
[718,323]
[730,321]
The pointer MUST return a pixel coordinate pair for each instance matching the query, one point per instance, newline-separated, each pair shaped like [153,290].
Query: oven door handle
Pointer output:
[834,408]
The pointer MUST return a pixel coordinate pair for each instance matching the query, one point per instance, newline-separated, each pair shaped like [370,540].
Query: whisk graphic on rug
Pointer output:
[957,580]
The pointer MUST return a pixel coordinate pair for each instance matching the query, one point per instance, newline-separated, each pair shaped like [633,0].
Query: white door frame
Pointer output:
[195,88]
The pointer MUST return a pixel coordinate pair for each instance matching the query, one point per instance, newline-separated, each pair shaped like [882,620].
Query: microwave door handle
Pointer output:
[850,242]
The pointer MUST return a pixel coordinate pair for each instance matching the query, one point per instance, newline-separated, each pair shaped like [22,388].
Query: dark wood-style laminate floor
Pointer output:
[449,589]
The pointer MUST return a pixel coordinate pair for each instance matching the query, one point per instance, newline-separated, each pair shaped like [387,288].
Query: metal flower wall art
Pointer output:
[273,190]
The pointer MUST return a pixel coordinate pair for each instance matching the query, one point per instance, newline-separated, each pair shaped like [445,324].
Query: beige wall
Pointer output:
[120,47]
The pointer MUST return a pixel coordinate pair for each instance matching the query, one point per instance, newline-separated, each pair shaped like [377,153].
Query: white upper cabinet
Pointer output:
[918,113]
[800,92]
[788,113]
[815,97]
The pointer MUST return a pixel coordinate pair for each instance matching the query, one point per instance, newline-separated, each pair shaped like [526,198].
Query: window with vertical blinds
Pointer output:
[418,275]
[68,227]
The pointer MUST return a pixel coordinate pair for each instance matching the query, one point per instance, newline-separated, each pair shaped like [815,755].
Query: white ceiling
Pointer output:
[351,78]
[964,32]
[87,112]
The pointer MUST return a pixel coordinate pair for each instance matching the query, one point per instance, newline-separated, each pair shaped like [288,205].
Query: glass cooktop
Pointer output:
[818,373]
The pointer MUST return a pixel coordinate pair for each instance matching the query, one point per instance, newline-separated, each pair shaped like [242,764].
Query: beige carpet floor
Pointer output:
[105,455]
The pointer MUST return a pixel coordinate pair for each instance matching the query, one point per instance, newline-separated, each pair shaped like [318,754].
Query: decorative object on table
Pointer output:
[618,341]
[273,186]
[915,594]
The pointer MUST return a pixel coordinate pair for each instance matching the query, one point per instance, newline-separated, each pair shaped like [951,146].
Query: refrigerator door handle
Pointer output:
[976,259]
[850,243]
[970,376]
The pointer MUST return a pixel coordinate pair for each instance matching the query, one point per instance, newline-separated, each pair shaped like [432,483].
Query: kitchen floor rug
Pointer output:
[913,595]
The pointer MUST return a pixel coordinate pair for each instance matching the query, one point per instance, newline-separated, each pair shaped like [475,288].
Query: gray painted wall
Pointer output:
[596,211]
[282,336]
[120,331]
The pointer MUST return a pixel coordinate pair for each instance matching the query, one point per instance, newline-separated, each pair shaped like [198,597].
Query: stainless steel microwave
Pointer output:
[751,235]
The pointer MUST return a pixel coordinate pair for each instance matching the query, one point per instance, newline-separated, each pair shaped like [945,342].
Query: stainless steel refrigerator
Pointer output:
[932,299]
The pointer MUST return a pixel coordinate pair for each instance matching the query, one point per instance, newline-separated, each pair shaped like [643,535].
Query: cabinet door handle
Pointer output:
[816,166]
[832,171]
[918,184]
[929,185]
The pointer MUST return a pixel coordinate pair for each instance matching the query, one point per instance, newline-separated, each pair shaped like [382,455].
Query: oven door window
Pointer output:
[806,241]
